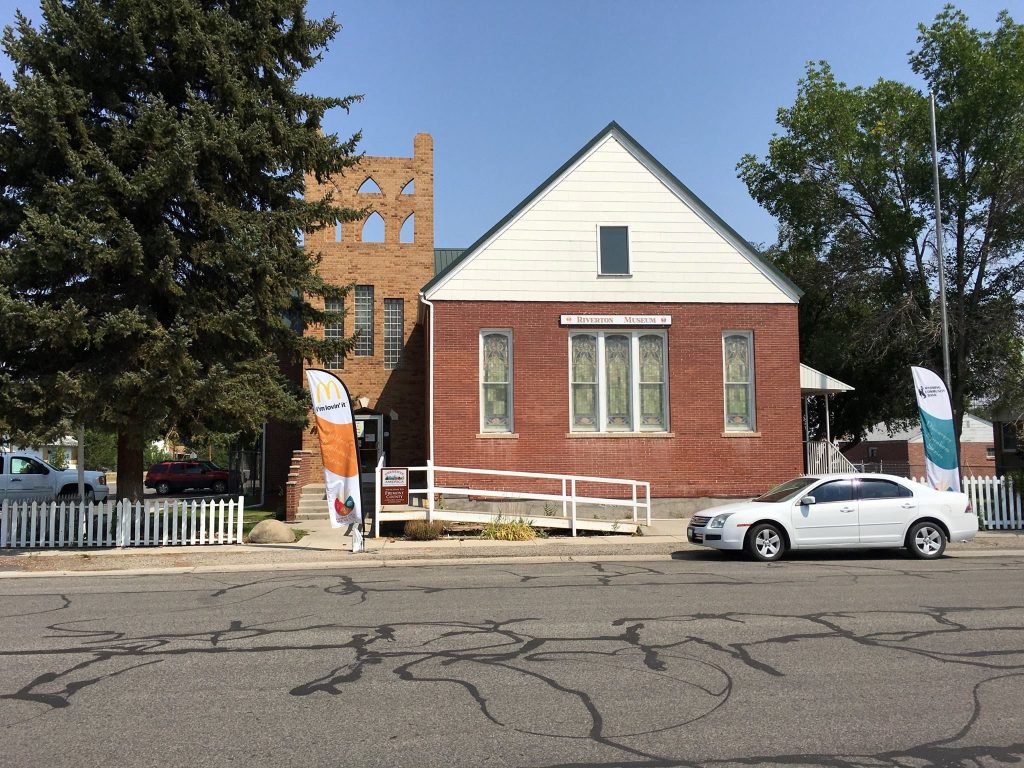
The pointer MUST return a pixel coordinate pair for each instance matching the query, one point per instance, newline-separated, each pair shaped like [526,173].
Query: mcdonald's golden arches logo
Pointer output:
[326,390]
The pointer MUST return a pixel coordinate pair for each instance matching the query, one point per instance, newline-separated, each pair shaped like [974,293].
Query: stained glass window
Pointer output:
[619,393]
[496,380]
[619,382]
[652,382]
[739,381]
[584,383]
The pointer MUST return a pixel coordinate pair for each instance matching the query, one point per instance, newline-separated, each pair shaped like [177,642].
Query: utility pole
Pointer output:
[938,250]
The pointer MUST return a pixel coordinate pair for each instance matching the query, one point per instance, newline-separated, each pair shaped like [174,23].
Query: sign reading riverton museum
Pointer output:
[645,320]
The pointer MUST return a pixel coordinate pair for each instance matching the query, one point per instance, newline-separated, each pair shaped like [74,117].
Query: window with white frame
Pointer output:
[394,332]
[364,321]
[618,382]
[496,381]
[738,375]
[613,247]
[335,330]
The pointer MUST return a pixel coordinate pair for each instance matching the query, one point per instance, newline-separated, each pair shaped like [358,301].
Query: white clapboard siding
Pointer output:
[548,252]
[996,500]
[122,524]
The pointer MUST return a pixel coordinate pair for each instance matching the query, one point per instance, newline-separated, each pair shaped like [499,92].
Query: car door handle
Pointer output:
[847,509]
[15,479]
[907,506]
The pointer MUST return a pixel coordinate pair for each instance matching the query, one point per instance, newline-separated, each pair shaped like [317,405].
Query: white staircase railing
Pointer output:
[824,457]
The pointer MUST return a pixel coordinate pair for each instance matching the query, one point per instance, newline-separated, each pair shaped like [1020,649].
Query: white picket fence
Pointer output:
[999,506]
[120,524]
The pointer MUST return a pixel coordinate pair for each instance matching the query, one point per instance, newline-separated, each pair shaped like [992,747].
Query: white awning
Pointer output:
[814,382]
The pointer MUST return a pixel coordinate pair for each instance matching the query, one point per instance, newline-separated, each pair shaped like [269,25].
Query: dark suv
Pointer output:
[171,476]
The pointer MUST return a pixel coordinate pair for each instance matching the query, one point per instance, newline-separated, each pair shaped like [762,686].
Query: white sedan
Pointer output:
[852,510]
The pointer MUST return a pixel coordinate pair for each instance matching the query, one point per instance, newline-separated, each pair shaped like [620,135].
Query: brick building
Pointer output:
[613,325]
[387,255]
[610,325]
[901,452]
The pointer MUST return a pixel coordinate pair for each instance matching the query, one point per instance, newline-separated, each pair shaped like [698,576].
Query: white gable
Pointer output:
[548,251]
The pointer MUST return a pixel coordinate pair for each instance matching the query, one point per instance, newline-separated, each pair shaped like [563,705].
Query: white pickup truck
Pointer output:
[27,477]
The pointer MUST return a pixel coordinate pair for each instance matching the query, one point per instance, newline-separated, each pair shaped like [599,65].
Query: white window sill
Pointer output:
[741,434]
[613,275]
[498,436]
[657,435]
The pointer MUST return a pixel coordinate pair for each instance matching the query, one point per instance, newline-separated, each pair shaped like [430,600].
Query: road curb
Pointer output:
[363,564]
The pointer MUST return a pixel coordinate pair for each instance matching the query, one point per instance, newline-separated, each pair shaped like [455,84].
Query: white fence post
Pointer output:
[378,506]
[5,525]
[574,506]
[430,490]
[241,518]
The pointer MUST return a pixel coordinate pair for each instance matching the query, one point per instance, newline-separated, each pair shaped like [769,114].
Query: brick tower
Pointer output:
[386,374]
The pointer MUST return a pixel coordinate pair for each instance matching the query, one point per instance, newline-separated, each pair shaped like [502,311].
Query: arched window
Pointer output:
[409,188]
[369,187]
[373,229]
[408,233]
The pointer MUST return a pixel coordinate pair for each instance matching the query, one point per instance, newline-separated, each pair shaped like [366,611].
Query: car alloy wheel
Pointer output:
[766,543]
[163,488]
[220,486]
[926,541]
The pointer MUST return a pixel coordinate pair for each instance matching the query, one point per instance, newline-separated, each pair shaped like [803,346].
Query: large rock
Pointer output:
[271,532]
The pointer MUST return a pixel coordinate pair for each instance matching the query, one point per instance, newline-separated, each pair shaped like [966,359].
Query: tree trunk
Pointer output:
[129,465]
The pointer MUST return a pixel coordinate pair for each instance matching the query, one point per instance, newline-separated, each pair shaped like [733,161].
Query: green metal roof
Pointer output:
[741,244]
[444,257]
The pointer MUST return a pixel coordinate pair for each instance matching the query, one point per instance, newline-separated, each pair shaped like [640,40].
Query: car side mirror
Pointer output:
[807,500]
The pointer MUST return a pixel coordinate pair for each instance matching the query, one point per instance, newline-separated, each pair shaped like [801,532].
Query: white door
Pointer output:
[832,520]
[29,479]
[885,508]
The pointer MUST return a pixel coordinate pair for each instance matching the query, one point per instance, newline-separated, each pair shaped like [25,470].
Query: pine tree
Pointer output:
[152,164]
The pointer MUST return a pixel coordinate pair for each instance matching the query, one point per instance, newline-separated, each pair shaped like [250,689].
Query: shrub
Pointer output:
[516,530]
[421,530]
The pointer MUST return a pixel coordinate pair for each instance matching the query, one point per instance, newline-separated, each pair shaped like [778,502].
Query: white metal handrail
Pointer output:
[569,498]
[824,457]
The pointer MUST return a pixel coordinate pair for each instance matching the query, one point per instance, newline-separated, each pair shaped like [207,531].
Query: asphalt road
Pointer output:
[704,660]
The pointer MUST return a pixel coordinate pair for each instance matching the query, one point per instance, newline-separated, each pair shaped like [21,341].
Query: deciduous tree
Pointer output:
[849,178]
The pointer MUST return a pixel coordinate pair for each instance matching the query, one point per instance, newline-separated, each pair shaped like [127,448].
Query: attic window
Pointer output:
[614,250]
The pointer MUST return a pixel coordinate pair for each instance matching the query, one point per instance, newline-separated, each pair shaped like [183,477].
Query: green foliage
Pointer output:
[504,530]
[59,458]
[849,178]
[100,450]
[152,165]
[549,508]
[421,530]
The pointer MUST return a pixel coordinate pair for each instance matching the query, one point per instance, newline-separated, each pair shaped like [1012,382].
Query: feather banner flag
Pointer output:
[332,407]
[937,431]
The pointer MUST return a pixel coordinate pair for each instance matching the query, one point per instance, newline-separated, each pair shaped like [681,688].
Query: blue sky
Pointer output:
[510,90]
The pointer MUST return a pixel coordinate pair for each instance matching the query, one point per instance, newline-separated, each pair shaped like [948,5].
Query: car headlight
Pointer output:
[719,520]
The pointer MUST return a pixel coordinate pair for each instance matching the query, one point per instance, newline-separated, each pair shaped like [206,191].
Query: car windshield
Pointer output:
[787,491]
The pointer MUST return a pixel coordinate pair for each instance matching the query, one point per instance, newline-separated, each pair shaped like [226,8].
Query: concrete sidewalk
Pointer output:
[326,547]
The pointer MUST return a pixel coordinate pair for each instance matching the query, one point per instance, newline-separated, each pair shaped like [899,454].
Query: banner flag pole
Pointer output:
[940,454]
[336,431]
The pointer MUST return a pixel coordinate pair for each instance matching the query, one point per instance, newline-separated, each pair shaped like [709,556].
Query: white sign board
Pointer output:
[644,320]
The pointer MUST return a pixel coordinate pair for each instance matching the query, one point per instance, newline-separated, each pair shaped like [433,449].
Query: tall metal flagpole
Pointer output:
[938,250]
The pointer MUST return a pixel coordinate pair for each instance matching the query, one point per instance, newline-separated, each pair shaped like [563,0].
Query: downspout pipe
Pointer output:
[430,382]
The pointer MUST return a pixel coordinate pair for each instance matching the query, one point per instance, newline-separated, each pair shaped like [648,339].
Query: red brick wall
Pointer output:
[305,469]
[696,461]
[903,458]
